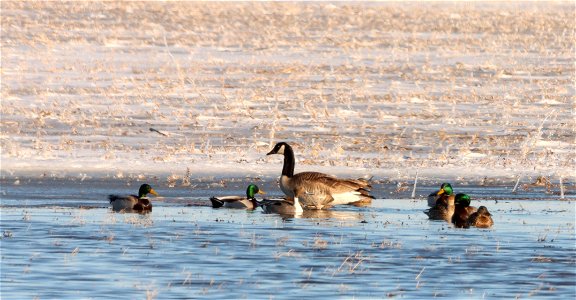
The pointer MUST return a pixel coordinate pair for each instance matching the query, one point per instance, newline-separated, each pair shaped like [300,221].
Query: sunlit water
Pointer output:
[60,241]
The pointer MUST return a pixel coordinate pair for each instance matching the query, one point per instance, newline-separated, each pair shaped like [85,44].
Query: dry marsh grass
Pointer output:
[386,86]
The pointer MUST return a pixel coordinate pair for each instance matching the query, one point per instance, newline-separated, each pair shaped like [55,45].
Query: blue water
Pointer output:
[61,241]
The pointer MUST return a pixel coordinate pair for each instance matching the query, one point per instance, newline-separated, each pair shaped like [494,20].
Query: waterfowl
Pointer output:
[443,210]
[462,210]
[248,202]
[133,203]
[481,218]
[442,194]
[282,206]
[317,190]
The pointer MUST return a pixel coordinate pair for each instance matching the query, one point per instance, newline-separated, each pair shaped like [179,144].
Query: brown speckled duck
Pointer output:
[481,218]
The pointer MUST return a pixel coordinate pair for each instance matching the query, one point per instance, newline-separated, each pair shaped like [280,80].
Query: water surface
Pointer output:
[60,240]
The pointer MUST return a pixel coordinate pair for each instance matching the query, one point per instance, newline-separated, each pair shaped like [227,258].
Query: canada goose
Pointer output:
[462,210]
[133,203]
[248,202]
[442,210]
[481,218]
[282,206]
[317,190]
[442,194]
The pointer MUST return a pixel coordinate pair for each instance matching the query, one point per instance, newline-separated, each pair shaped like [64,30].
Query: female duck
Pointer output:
[133,203]
[481,218]
[442,194]
[317,190]
[462,210]
[248,202]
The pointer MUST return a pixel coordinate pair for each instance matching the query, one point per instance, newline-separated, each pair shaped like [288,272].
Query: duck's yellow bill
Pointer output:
[262,192]
[440,192]
[153,192]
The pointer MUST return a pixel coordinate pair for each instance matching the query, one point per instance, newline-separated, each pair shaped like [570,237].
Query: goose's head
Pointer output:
[482,210]
[280,148]
[462,200]
[445,188]
[252,190]
[146,189]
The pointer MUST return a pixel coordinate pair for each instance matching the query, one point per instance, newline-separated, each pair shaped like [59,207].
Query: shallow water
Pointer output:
[61,241]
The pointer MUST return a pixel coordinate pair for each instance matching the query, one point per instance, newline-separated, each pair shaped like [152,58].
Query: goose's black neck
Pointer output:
[289,162]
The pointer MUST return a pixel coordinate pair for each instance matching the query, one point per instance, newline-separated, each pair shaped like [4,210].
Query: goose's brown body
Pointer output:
[318,190]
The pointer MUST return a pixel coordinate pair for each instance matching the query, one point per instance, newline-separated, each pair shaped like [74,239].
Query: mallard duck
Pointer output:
[462,210]
[442,194]
[282,206]
[133,203]
[317,190]
[481,218]
[248,202]
[443,210]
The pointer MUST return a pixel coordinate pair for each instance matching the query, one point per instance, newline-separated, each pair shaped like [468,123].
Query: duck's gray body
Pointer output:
[237,202]
[130,203]
[281,206]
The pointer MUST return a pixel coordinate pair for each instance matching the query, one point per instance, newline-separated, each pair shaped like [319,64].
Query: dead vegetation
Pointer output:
[383,85]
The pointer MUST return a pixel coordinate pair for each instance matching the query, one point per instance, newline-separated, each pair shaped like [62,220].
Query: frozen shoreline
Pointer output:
[168,173]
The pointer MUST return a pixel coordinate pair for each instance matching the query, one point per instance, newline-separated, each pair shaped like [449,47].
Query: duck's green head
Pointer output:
[252,190]
[462,200]
[445,188]
[146,189]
